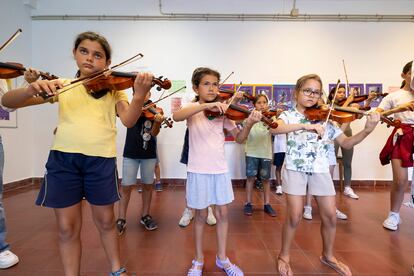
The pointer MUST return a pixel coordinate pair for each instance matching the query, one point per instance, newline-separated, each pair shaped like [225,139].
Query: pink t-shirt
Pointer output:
[206,143]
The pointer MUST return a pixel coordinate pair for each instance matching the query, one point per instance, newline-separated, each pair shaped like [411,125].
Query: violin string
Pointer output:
[13,37]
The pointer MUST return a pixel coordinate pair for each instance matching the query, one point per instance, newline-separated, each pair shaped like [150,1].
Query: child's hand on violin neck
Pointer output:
[142,85]
[31,75]
[318,128]
[44,88]
[372,120]
[254,117]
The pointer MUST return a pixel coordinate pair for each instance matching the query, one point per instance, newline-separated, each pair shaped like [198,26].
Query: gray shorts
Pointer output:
[318,184]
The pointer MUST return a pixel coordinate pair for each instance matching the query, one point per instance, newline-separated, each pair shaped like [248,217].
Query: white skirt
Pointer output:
[203,190]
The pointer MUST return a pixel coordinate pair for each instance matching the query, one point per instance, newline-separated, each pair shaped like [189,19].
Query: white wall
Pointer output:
[258,52]
[18,142]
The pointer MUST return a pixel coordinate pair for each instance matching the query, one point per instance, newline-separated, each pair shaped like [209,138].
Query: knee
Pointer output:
[105,224]
[294,219]
[68,232]
[329,220]
[221,213]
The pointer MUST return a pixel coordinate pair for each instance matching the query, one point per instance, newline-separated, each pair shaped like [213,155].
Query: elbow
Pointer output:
[177,118]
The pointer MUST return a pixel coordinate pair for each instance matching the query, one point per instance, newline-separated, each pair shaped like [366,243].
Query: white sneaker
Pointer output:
[391,223]
[8,259]
[186,218]
[279,190]
[349,192]
[211,219]
[341,215]
[410,203]
[307,212]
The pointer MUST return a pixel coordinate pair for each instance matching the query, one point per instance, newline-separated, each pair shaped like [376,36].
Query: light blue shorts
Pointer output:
[130,171]
[203,190]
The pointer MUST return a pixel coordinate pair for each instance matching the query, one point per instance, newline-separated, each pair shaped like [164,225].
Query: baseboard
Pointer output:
[34,183]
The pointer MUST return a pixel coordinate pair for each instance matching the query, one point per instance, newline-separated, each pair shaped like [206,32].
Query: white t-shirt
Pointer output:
[279,144]
[3,89]
[306,152]
[206,143]
[395,99]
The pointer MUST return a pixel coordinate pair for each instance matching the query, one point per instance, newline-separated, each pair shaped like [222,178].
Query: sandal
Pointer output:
[281,263]
[120,226]
[196,269]
[228,267]
[118,272]
[341,268]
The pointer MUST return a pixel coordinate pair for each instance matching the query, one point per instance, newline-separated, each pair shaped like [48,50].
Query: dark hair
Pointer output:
[200,72]
[407,67]
[402,84]
[258,97]
[332,91]
[94,37]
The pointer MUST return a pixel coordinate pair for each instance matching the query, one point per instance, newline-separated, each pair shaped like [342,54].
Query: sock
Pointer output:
[395,214]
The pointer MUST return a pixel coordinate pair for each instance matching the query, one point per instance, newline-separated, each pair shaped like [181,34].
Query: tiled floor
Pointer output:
[253,243]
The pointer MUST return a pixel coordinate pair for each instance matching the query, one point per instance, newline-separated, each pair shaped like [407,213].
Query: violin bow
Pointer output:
[13,37]
[346,78]
[166,96]
[229,75]
[332,103]
[98,74]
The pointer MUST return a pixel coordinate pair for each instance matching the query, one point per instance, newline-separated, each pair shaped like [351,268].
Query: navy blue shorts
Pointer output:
[278,159]
[71,176]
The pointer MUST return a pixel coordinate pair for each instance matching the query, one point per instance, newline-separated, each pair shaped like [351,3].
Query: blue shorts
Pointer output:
[278,159]
[258,165]
[130,170]
[71,176]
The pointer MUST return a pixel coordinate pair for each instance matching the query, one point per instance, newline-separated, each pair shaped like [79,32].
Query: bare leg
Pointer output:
[222,230]
[249,188]
[200,218]
[125,192]
[400,180]
[104,219]
[266,191]
[327,211]
[157,172]
[69,222]
[146,198]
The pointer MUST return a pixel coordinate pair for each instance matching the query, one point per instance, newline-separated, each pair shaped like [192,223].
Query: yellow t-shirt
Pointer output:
[87,125]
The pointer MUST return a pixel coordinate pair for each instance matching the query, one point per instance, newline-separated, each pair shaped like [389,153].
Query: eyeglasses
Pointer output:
[314,93]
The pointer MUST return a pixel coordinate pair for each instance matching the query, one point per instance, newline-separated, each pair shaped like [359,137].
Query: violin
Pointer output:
[361,98]
[238,113]
[98,87]
[150,112]
[225,94]
[343,115]
[11,70]
[270,113]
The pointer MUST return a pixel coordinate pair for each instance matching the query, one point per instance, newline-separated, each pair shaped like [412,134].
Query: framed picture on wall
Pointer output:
[376,88]
[283,95]
[8,119]
[248,89]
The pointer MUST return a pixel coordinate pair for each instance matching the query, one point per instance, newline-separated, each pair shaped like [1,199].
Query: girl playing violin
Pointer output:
[399,146]
[82,161]
[307,167]
[347,154]
[140,151]
[259,159]
[208,181]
